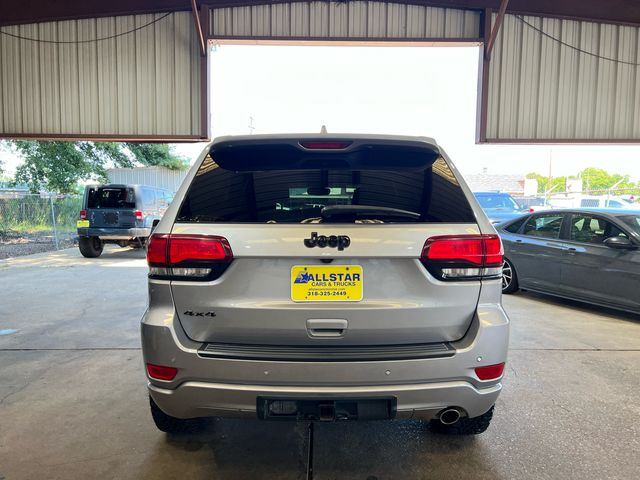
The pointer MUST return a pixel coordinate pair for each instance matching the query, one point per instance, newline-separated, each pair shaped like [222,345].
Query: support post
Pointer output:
[196,19]
[53,222]
[496,28]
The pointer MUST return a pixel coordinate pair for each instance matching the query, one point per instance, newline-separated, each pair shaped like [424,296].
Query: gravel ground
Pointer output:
[30,243]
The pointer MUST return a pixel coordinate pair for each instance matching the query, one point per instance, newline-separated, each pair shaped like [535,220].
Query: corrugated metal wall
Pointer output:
[542,90]
[139,84]
[154,176]
[343,20]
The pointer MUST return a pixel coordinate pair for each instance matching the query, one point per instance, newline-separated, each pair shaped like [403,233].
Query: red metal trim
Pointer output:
[257,39]
[105,138]
[198,22]
[622,12]
[483,83]
[205,117]
[488,47]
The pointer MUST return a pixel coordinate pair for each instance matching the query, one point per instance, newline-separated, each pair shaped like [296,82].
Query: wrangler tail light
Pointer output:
[189,257]
[463,257]
[83,214]
[139,216]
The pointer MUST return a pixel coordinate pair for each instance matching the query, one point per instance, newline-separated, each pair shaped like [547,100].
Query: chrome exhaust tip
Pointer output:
[449,416]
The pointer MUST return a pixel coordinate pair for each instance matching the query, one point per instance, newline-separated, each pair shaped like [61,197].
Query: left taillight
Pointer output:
[189,257]
[463,257]
[83,214]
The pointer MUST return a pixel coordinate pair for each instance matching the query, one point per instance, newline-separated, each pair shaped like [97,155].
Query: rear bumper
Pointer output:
[200,399]
[230,387]
[114,233]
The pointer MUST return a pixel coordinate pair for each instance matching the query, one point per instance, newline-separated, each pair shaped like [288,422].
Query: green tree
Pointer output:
[558,184]
[59,166]
[599,179]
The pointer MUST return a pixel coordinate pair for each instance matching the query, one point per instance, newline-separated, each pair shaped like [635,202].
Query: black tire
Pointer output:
[172,425]
[465,426]
[509,277]
[90,247]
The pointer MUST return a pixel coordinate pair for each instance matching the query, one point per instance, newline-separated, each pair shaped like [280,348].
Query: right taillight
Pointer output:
[463,257]
[188,257]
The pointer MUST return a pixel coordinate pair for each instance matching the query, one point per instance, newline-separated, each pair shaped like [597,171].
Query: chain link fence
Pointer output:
[37,223]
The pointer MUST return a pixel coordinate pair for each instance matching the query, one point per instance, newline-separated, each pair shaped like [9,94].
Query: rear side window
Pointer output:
[110,197]
[545,226]
[515,227]
[299,196]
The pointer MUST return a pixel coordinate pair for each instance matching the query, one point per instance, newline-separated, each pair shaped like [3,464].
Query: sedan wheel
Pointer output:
[509,278]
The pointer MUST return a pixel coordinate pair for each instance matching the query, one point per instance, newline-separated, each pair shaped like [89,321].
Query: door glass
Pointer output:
[544,226]
[589,229]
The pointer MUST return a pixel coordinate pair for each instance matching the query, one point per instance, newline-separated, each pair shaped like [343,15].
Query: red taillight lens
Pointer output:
[490,372]
[463,249]
[199,257]
[139,215]
[197,248]
[492,250]
[83,214]
[325,145]
[160,372]
[463,257]
[157,250]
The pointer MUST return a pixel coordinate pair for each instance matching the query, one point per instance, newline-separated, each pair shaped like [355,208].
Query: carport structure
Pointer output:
[554,72]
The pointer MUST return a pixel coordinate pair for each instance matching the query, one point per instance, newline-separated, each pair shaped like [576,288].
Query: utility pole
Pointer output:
[251,127]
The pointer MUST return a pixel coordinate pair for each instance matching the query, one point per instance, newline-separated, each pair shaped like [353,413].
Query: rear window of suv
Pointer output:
[299,196]
[110,197]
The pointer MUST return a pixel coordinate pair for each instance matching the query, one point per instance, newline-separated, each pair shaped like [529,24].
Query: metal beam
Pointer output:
[625,12]
[198,22]
[488,47]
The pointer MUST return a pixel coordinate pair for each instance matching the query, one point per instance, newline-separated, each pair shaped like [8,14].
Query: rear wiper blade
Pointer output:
[359,211]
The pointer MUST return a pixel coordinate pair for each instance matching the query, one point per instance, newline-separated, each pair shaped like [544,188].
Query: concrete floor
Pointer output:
[73,401]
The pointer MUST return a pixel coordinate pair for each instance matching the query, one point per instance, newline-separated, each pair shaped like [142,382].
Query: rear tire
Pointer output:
[172,425]
[465,426]
[509,277]
[90,247]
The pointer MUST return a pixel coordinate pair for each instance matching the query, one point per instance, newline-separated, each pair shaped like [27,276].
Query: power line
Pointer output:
[573,47]
[38,40]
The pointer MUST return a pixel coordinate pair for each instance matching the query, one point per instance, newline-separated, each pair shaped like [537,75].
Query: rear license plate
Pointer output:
[83,224]
[340,283]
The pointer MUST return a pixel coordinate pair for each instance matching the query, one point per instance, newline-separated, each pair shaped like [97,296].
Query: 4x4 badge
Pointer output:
[191,313]
[334,241]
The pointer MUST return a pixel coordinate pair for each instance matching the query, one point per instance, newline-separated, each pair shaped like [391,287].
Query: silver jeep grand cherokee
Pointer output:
[325,278]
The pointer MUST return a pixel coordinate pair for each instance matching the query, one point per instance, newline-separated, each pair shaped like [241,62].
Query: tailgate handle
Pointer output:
[326,328]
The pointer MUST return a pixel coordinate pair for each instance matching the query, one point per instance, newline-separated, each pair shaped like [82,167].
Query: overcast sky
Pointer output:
[396,90]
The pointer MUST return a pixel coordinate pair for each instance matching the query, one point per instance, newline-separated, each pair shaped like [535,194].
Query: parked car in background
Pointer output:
[498,206]
[533,204]
[606,201]
[325,278]
[590,255]
[121,214]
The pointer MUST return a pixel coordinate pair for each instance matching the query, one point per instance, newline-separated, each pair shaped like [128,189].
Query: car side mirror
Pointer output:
[621,243]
